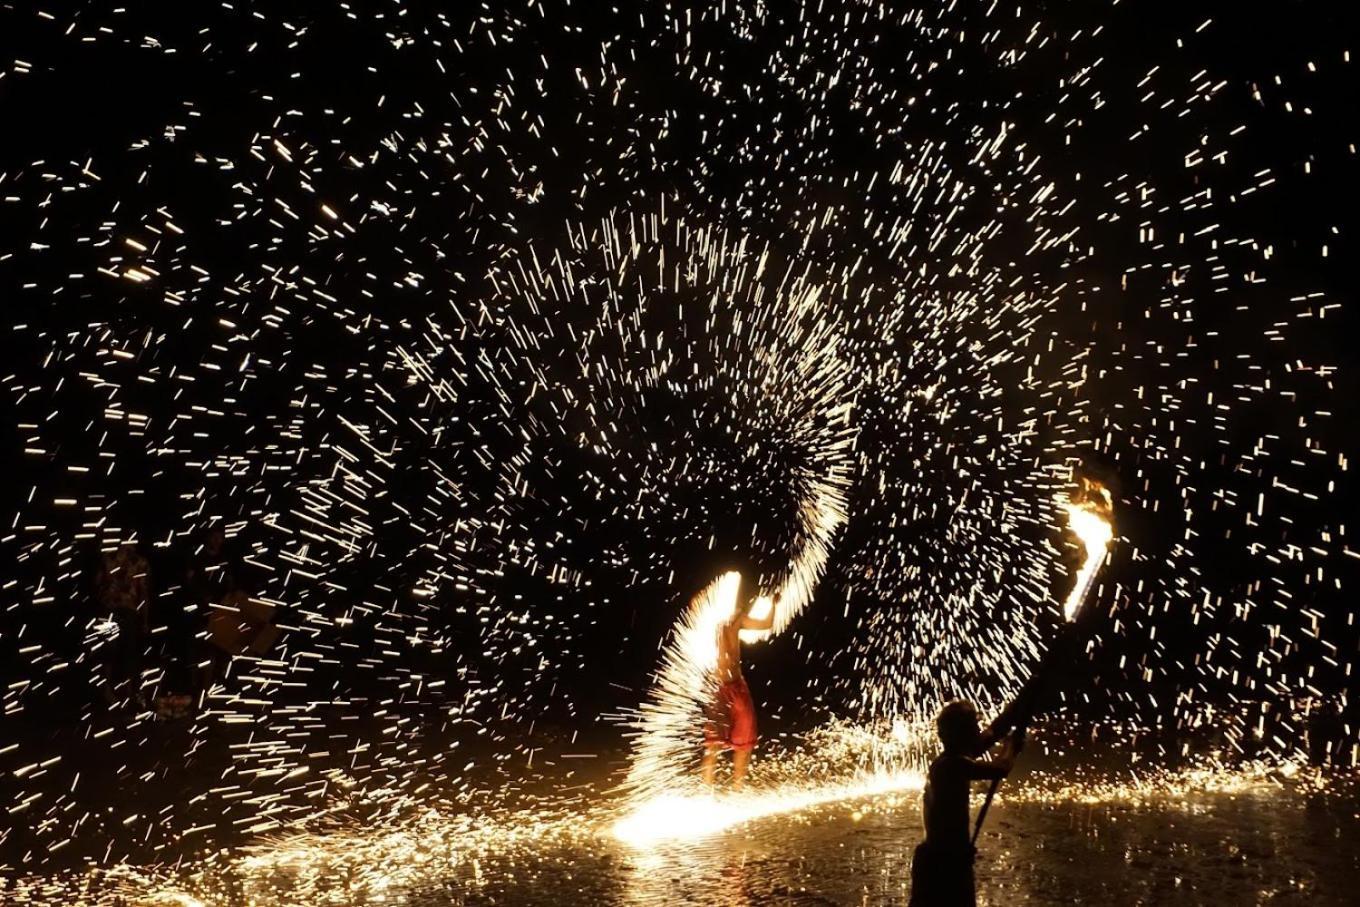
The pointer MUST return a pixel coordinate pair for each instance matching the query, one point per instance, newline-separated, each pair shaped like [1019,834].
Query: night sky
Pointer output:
[345,282]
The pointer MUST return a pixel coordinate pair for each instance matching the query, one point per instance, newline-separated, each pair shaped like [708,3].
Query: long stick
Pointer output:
[1095,532]
[1028,702]
[1024,706]
[991,791]
[982,813]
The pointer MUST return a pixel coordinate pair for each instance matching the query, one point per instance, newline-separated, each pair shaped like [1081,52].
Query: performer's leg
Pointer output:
[740,757]
[710,764]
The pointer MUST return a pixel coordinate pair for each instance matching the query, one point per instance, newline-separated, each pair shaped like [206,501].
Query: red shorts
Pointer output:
[732,718]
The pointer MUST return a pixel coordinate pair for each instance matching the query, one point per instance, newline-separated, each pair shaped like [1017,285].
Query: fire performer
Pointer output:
[942,866]
[732,713]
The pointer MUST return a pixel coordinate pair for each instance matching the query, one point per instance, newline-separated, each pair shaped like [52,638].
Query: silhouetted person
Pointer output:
[239,624]
[183,614]
[732,714]
[942,866]
[123,589]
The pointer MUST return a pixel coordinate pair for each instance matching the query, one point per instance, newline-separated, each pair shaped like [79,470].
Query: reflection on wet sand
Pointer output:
[1248,839]
[1267,846]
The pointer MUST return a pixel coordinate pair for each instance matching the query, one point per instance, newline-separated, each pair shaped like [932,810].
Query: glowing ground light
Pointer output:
[680,817]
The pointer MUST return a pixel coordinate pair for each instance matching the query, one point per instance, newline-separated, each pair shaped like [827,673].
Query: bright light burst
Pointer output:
[682,817]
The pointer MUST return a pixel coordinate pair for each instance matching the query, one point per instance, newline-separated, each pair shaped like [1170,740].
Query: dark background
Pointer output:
[1192,608]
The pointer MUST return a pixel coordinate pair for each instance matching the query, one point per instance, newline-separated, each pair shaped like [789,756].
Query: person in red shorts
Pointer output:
[732,713]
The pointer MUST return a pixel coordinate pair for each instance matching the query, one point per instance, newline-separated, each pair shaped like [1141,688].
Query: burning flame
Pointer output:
[1089,518]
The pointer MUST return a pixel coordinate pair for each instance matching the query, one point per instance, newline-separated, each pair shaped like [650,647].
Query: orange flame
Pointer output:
[1089,518]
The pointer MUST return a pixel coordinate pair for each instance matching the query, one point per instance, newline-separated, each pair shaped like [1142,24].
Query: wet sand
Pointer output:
[1271,847]
[1290,843]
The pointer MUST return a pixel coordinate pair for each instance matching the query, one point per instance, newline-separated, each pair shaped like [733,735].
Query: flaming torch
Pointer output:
[1090,518]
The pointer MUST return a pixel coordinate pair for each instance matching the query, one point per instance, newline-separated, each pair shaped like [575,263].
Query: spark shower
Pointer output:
[481,335]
